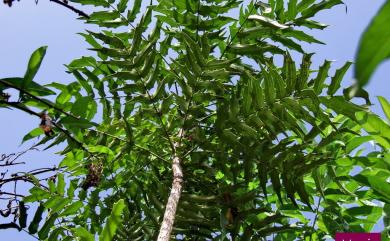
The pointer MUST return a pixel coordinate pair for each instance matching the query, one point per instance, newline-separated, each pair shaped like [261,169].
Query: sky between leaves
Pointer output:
[25,27]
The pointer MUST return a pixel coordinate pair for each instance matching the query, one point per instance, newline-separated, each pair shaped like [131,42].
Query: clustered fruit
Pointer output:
[46,124]
[93,176]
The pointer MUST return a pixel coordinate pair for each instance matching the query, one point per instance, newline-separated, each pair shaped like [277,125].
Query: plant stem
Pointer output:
[174,197]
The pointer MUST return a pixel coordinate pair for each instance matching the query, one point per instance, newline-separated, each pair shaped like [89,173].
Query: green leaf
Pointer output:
[355,91]
[374,46]
[304,4]
[321,77]
[385,106]
[34,133]
[300,35]
[60,184]
[289,70]
[254,49]
[113,221]
[373,124]
[37,194]
[44,231]
[379,182]
[81,107]
[269,88]
[72,209]
[33,88]
[54,235]
[125,75]
[315,8]
[33,65]
[77,123]
[84,83]
[268,21]
[100,149]
[292,9]
[357,141]
[195,49]
[230,137]
[110,40]
[56,203]
[336,80]
[102,3]
[275,180]
[341,106]
[22,214]
[302,192]
[33,227]
[304,72]
[82,234]
[135,10]
[81,62]
[104,16]
[122,5]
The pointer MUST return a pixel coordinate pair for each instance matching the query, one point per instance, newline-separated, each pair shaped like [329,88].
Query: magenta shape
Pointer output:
[358,237]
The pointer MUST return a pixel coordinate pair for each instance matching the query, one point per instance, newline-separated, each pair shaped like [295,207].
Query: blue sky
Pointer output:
[27,26]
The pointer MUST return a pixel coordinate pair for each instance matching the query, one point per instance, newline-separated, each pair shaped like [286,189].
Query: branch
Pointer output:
[10,225]
[239,29]
[174,196]
[79,12]
[27,177]
[315,217]
[48,104]
[11,194]
[18,105]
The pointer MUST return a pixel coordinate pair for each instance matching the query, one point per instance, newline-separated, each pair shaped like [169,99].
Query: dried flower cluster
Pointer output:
[46,124]
[9,2]
[93,176]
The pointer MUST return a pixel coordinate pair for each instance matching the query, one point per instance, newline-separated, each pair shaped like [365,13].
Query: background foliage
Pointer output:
[268,139]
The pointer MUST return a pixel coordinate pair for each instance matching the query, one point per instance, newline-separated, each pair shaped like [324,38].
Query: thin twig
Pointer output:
[315,217]
[11,194]
[239,29]
[79,12]
[18,105]
[197,21]
[38,99]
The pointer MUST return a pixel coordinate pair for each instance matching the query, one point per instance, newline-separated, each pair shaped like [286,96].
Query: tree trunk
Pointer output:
[173,200]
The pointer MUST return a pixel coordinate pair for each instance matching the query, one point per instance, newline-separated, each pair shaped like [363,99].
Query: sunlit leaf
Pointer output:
[374,45]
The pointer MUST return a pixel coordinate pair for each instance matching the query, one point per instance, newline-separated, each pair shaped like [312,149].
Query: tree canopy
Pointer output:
[217,103]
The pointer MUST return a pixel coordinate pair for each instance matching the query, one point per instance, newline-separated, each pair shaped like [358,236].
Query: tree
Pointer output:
[185,125]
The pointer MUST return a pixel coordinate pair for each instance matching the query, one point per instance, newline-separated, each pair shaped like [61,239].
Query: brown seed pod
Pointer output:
[46,124]
[94,175]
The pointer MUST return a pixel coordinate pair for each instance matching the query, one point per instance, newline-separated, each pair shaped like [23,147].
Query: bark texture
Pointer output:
[174,196]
